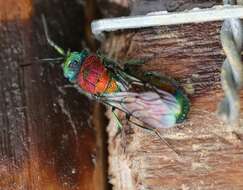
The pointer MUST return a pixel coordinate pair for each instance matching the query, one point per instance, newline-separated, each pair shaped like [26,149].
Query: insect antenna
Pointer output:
[51,59]
[166,142]
[41,59]
[50,42]
[159,135]
[119,125]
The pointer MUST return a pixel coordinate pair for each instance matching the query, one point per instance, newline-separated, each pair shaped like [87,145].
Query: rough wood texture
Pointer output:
[113,8]
[210,153]
[46,136]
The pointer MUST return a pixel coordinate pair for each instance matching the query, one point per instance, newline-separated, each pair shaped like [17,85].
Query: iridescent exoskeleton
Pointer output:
[151,98]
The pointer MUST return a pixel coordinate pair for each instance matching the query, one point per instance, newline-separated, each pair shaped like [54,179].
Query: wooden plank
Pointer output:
[211,154]
[47,139]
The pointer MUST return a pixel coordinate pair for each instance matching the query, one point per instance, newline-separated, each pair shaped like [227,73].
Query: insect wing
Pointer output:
[156,110]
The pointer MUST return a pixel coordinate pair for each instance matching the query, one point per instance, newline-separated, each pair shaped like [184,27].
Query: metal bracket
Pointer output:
[153,19]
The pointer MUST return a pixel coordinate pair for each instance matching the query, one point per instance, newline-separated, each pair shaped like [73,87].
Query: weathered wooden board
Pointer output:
[47,134]
[210,153]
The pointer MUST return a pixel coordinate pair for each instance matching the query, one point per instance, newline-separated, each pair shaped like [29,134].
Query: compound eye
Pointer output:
[73,64]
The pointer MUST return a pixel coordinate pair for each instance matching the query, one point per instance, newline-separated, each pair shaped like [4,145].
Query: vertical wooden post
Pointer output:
[210,153]
[47,139]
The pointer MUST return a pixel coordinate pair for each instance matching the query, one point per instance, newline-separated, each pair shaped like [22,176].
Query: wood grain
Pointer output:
[47,134]
[210,151]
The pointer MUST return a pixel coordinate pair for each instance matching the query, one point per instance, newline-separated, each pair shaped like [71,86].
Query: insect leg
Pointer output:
[133,66]
[118,123]
[166,142]
[51,59]
[133,62]
[107,61]
[128,116]
[121,130]
[50,42]
[150,129]
[118,73]
[162,77]
[159,135]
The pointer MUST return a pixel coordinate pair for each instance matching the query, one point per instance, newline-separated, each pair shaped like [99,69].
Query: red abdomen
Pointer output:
[94,77]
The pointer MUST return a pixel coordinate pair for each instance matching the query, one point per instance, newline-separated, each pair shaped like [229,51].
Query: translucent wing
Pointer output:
[150,97]
[157,109]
